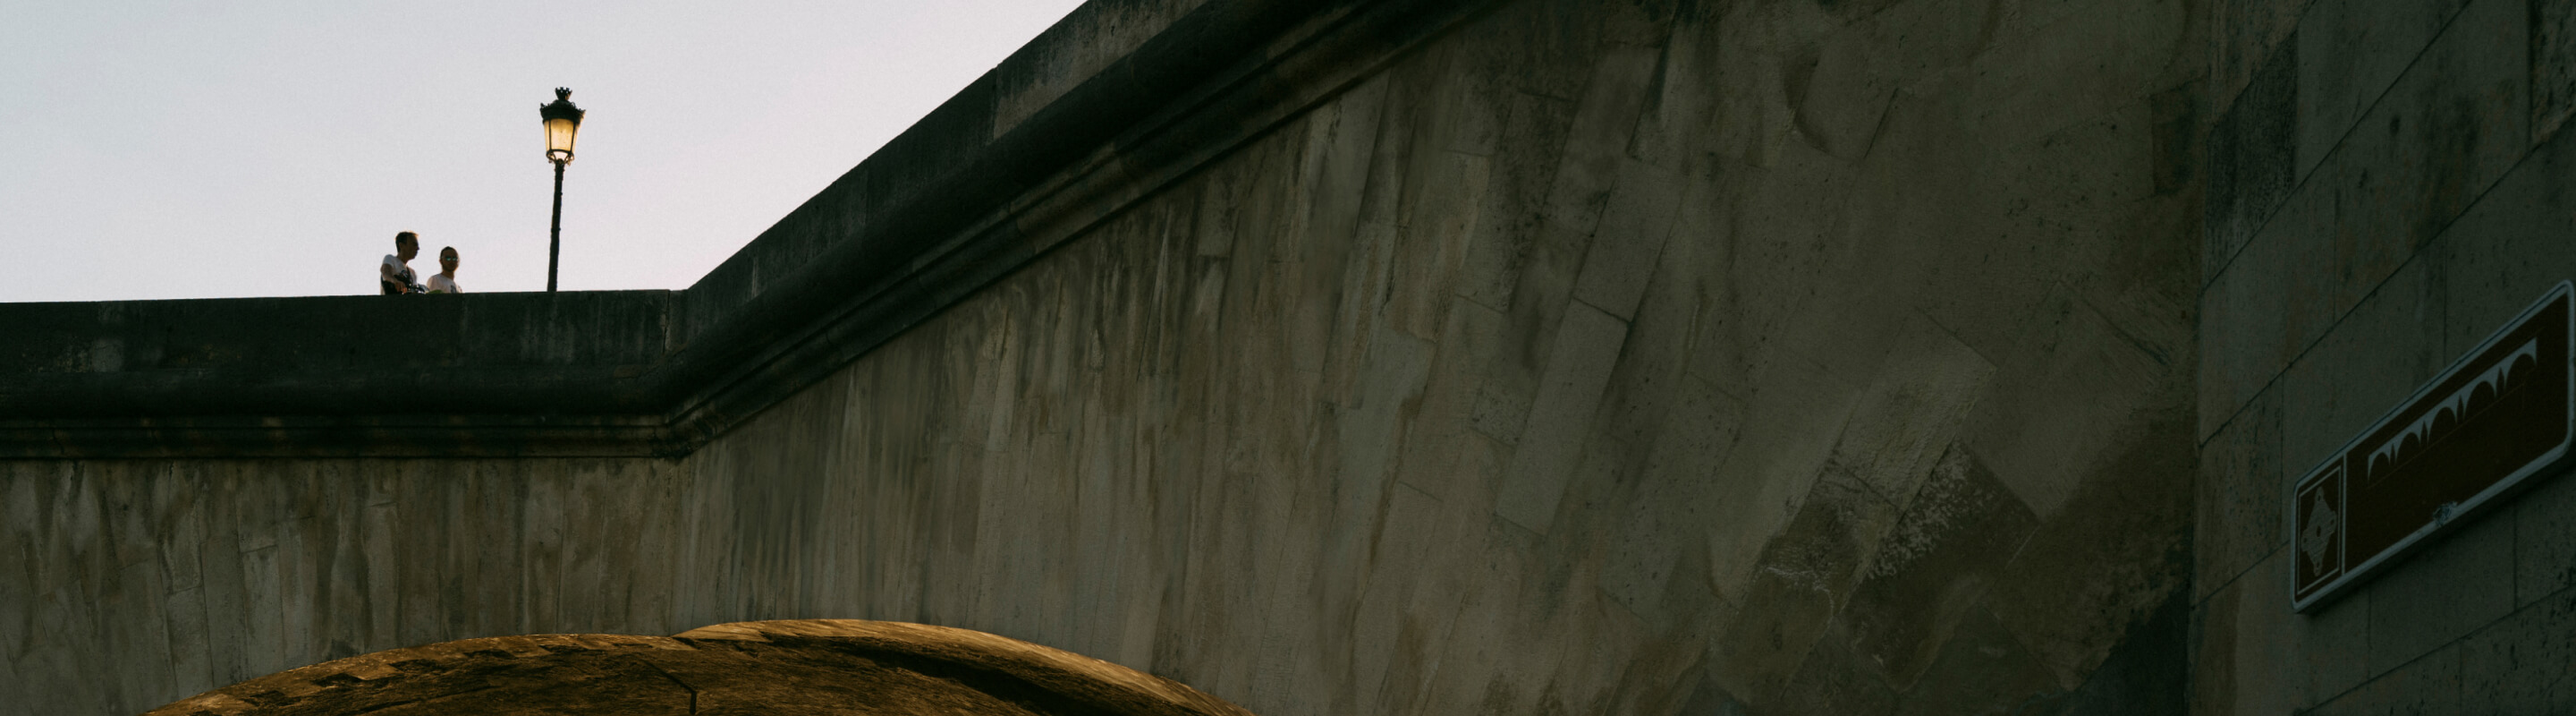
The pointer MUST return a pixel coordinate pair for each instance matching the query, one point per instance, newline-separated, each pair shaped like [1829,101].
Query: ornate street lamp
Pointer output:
[562,121]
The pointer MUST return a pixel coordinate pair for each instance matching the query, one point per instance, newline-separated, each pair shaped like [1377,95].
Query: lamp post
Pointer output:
[562,121]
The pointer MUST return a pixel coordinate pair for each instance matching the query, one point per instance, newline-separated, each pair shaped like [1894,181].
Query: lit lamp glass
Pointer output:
[562,122]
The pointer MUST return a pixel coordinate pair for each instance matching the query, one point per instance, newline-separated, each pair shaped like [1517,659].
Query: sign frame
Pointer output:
[2385,449]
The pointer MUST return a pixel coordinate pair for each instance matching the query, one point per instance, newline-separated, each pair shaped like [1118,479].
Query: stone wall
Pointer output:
[2390,183]
[1589,356]
[129,584]
[1594,358]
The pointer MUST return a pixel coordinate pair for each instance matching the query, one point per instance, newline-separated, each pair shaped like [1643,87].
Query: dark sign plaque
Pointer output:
[2495,418]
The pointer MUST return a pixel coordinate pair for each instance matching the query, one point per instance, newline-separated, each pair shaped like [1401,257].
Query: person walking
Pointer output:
[445,280]
[395,276]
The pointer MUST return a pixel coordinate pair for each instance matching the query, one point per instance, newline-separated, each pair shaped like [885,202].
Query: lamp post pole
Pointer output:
[562,121]
[554,232]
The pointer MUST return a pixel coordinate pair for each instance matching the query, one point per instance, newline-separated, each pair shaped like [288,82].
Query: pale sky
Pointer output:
[166,149]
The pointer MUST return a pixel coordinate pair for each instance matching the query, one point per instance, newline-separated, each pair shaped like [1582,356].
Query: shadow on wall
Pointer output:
[773,667]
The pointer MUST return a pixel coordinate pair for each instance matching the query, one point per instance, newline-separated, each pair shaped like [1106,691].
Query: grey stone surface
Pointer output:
[2553,67]
[2448,134]
[2519,663]
[2447,129]
[2150,673]
[2253,157]
[1561,416]
[2544,545]
[2080,584]
[1936,561]
[2427,685]
[1912,413]
[309,376]
[2253,655]
[2418,231]
[2238,516]
[2350,52]
[2509,248]
[1605,118]
[1629,239]
[1981,652]
[1074,50]
[2442,592]
[2243,35]
[2242,334]
[2363,368]
[1808,574]
[1832,681]
[2037,442]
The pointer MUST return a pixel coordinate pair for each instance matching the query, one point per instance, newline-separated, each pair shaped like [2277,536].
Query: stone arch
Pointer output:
[812,666]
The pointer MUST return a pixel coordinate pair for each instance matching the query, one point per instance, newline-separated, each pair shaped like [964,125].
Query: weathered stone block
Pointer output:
[1932,567]
[2244,34]
[1673,126]
[1524,164]
[2458,582]
[1832,682]
[1385,634]
[1838,105]
[1075,50]
[2253,153]
[1912,412]
[2256,656]
[1372,433]
[1773,463]
[1750,131]
[2098,568]
[2239,510]
[1858,69]
[2509,248]
[1630,237]
[2553,66]
[1805,575]
[2447,130]
[1915,201]
[1443,208]
[2148,674]
[2369,363]
[1655,563]
[2458,137]
[2128,48]
[191,657]
[2044,446]
[1604,121]
[1499,415]
[1587,347]
[2544,544]
[2243,333]
[2430,685]
[1981,669]
[2518,665]
[2349,52]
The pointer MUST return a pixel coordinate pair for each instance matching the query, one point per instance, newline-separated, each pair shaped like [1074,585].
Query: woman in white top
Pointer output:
[445,280]
[394,275]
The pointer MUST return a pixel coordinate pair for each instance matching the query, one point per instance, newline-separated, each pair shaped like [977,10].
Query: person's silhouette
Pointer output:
[395,275]
[445,280]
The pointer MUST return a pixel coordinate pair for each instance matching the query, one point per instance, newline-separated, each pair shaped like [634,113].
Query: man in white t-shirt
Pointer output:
[445,280]
[395,275]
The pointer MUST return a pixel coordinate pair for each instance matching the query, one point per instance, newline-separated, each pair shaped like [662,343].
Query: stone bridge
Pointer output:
[1424,356]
